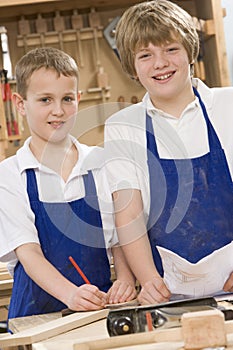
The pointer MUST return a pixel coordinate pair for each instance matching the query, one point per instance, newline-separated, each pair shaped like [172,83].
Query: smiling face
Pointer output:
[158,45]
[164,71]
[50,106]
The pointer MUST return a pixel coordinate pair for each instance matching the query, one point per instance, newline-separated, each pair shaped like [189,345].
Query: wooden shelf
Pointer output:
[23,2]
[210,13]
[83,47]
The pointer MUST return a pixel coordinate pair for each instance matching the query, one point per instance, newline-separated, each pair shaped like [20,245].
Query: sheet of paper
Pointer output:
[206,277]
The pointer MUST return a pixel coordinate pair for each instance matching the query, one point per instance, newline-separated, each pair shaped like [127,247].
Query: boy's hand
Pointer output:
[228,286]
[87,297]
[120,292]
[153,292]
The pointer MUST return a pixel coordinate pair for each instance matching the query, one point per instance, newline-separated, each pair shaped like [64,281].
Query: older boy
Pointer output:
[170,162]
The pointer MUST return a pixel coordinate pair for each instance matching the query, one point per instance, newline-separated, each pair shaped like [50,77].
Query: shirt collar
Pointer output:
[204,91]
[25,157]
[90,157]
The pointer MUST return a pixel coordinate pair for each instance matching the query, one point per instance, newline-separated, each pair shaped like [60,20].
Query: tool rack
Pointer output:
[77,27]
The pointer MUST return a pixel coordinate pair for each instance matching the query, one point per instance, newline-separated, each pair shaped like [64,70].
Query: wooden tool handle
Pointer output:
[41,25]
[76,20]
[94,19]
[24,26]
[58,22]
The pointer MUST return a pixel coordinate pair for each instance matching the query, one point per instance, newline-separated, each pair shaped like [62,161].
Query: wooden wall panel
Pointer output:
[119,84]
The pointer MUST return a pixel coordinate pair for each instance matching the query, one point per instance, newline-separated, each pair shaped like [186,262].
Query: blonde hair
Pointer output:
[48,58]
[156,22]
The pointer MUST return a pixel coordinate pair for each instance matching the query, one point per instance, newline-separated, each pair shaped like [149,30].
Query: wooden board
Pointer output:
[172,335]
[94,331]
[4,275]
[90,335]
[20,324]
[133,340]
[6,284]
[4,301]
[3,314]
[203,329]
[52,328]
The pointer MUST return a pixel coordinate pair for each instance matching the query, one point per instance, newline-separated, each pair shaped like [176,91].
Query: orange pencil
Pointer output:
[79,270]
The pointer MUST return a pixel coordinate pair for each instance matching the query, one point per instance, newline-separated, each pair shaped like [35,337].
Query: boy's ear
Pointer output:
[19,103]
[79,96]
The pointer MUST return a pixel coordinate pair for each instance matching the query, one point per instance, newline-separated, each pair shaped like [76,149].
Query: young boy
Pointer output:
[170,161]
[55,201]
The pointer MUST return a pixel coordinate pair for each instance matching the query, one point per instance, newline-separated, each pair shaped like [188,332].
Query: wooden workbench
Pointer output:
[65,341]
[94,336]
[92,332]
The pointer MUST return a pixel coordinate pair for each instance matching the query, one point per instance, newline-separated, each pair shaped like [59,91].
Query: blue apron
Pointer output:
[205,223]
[64,229]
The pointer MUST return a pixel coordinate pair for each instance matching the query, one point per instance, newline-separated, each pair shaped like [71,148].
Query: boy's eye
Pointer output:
[143,55]
[68,98]
[45,99]
[172,48]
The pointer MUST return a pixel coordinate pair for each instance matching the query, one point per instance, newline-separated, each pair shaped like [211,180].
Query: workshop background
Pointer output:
[228,20]
[84,29]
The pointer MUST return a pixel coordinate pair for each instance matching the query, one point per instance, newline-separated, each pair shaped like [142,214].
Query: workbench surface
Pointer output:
[65,341]
[91,333]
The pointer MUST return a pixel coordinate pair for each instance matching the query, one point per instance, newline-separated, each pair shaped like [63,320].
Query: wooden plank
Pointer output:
[3,314]
[4,301]
[6,284]
[221,52]
[20,324]
[215,58]
[5,293]
[23,2]
[80,3]
[203,329]
[5,276]
[149,346]
[52,328]
[169,335]
[157,336]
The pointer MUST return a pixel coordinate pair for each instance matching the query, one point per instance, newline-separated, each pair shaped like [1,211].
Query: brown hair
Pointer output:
[156,22]
[47,57]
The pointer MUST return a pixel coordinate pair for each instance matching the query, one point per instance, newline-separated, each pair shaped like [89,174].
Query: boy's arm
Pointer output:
[43,273]
[133,238]
[228,286]
[123,288]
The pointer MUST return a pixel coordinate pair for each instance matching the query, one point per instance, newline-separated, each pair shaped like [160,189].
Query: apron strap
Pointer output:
[89,184]
[214,142]
[32,188]
[150,137]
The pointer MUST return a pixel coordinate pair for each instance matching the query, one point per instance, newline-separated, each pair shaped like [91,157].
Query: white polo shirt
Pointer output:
[176,138]
[17,222]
